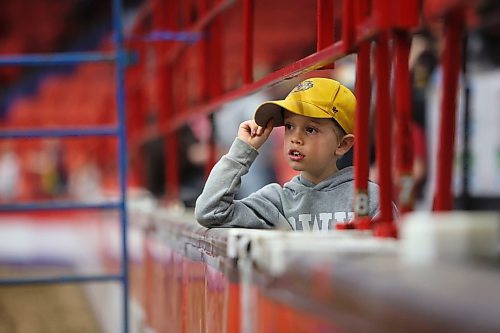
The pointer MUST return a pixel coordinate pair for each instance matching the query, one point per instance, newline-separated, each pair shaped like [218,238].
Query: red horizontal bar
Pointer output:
[307,64]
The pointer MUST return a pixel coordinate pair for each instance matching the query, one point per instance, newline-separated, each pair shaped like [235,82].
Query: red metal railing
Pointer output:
[361,153]
[197,68]
[384,27]
[451,61]
[248,28]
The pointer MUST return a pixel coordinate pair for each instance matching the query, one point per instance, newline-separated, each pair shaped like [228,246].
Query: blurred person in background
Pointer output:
[422,62]
[476,166]
[85,180]
[46,170]
[53,173]
[192,154]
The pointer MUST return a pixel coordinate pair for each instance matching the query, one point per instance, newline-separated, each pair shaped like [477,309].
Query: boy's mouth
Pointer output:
[295,155]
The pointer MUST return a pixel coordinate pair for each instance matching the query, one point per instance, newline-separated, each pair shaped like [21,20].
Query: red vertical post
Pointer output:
[137,108]
[248,33]
[158,23]
[206,78]
[171,144]
[405,14]
[204,55]
[403,107]
[451,60]
[348,26]
[325,26]
[382,13]
[182,78]
[215,55]
[216,82]
[168,19]
[171,15]
[383,135]
[361,12]
[186,13]
[362,137]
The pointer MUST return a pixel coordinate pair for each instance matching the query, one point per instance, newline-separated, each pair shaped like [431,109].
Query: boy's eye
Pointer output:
[288,126]
[311,130]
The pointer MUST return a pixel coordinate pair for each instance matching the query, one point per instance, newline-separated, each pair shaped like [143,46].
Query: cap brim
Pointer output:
[273,109]
[268,110]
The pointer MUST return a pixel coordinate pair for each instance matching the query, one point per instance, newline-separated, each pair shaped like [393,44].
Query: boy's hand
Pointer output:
[253,134]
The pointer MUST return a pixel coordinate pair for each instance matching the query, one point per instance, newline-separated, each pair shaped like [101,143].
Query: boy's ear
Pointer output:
[345,144]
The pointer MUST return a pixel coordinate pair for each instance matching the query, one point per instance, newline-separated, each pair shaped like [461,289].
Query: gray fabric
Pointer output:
[298,205]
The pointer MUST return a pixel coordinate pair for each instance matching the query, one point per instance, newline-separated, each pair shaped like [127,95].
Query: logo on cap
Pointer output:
[304,85]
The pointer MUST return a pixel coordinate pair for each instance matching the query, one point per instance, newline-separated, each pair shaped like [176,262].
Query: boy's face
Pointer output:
[310,146]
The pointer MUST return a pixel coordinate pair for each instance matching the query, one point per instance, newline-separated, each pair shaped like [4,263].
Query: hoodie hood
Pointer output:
[300,184]
[309,206]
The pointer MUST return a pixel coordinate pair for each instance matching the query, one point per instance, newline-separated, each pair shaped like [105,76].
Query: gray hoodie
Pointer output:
[298,205]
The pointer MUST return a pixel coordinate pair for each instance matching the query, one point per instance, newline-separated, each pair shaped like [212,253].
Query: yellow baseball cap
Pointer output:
[315,98]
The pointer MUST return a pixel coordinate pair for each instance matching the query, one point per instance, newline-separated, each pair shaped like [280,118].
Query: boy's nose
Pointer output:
[296,139]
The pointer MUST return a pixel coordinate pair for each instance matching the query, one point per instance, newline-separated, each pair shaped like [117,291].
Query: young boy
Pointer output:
[318,116]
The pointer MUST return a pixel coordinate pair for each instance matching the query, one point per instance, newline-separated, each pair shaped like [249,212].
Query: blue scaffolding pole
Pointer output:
[119,57]
[121,60]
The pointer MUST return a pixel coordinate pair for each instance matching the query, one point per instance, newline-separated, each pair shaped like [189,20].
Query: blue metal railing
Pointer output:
[122,149]
[119,58]
[56,59]
[60,132]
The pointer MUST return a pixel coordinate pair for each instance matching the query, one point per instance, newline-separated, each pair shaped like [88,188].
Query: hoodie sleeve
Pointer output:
[216,206]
